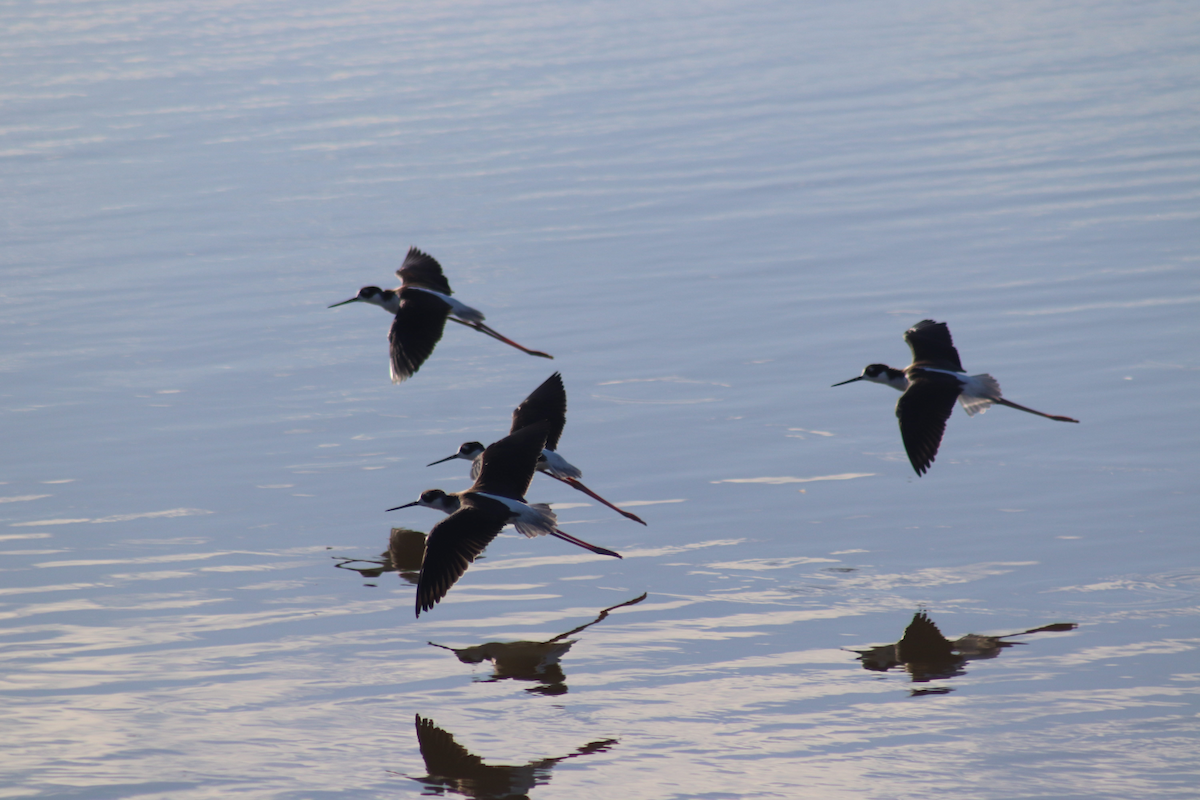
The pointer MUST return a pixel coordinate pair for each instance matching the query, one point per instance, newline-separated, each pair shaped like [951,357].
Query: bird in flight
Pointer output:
[547,403]
[495,499]
[421,305]
[931,384]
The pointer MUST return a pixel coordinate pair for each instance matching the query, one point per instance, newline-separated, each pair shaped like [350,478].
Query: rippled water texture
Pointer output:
[709,213]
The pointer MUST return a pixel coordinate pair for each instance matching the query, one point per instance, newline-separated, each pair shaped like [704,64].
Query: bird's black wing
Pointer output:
[444,757]
[452,545]
[508,465]
[548,403]
[932,346]
[923,410]
[422,269]
[416,330]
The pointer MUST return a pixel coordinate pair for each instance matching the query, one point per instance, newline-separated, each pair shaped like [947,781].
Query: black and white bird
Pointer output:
[547,403]
[931,384]
[421,305]
[495,499]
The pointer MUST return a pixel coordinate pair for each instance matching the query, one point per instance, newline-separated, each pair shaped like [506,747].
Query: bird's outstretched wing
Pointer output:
[923,410]
[416,330]
[453,544]
[547,403]
[932,346]
[422,269]
[507,466]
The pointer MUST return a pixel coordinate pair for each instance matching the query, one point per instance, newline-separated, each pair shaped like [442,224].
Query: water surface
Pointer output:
[708,214]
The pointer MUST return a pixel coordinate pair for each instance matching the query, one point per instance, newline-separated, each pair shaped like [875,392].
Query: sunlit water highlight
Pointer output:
[708,214]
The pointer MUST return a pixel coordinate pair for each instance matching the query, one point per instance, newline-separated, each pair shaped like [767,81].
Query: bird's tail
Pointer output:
[982,391]
[539,523]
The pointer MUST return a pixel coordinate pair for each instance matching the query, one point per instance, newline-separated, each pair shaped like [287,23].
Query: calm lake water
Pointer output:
[709,213]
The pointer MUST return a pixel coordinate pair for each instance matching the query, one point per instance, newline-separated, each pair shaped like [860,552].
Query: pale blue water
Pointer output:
[708,214]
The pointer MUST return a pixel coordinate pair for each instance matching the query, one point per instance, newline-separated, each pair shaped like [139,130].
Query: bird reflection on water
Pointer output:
[455,768]
[928,655]
[530,661]
[406,551]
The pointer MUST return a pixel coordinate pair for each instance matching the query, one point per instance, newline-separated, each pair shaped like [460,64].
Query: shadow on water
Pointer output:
[530,661]
[928,655]
[452,767]
[406,551]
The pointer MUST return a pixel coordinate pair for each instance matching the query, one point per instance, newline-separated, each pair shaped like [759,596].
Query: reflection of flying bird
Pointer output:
[421,305]
[547,403]
[928,655]
[931,384]
[406,550]
[476,515]
[451,766]
[530,661]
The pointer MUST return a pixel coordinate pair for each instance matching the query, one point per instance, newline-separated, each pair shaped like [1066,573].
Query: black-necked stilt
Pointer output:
[495,499]
[547,403]
[421,306]
[931,384]
[454,767]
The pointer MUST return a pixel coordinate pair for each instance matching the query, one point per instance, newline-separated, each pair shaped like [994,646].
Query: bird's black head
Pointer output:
[469,450]
[367,294]
[432,496]
[879,373]
[873,371]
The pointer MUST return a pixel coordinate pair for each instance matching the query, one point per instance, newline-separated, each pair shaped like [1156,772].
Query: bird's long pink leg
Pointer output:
[566,537]
[578,485]
[479,326]
[1011,404]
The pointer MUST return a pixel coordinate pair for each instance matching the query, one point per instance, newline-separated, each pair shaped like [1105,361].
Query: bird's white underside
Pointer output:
[530,519]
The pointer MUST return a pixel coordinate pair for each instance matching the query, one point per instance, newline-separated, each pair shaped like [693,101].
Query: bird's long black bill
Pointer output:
[574,484]
[479,326]
[406,505]
[442,460]
[344,302]
[566,537]
[843,383]
[1011,404]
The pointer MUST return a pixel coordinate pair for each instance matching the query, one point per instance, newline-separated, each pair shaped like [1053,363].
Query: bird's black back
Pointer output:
[422,269]
[932,346]
[547,403]
[416,330]
[923,410]
[507,466]
[453,544]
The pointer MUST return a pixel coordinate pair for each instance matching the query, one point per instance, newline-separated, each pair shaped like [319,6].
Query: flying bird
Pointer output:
[495,499]
[421,305]
[547,403]
[931,384]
